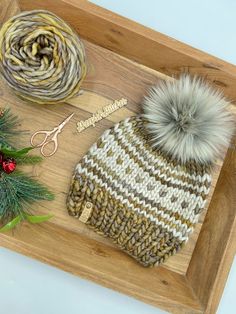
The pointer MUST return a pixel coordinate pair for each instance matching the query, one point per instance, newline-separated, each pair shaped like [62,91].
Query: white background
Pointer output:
[30,287]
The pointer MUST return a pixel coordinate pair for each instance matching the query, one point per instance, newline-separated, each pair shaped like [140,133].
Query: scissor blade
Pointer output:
[66,121]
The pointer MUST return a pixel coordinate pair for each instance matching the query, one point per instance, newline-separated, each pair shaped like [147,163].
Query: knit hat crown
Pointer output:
[145,182]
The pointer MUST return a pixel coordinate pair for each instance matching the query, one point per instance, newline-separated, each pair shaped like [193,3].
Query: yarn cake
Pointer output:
[41,58]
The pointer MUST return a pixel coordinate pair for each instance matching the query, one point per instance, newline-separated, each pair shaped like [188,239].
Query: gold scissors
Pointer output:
[50,137]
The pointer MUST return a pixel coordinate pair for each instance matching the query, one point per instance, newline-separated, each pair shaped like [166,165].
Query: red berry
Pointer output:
[9,165]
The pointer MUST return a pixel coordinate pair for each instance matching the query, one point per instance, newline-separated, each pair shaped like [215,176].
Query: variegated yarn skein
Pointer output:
[41,57]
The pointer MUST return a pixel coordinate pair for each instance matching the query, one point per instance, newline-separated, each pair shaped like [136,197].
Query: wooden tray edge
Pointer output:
[222,74]
[171,291]
[216,245]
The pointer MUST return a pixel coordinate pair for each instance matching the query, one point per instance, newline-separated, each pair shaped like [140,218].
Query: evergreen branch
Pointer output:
[20,156]
[17,192]
[11,152]
[8,126]
[28,160]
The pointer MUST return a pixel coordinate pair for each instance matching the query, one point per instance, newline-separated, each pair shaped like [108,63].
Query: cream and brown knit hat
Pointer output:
[145,181]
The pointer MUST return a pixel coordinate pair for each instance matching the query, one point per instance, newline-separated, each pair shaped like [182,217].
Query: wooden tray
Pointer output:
[124,59]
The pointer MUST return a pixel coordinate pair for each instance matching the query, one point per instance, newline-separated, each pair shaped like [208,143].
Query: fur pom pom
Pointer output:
[188,119]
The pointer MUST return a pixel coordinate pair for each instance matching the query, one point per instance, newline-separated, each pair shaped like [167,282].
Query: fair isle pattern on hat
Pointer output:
[146,202]
[145,182]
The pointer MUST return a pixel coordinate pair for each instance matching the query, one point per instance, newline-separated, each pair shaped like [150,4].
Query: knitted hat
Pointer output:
[145,182]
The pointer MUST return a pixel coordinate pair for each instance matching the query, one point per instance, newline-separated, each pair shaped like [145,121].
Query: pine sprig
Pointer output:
[9,124]
[28,160]
[18,191]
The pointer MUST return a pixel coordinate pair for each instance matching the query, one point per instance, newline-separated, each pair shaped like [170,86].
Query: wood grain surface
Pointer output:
[109,77]
[139,43]
[69,244]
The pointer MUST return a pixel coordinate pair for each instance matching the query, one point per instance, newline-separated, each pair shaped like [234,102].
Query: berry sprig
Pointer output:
[7,164]
[18,191]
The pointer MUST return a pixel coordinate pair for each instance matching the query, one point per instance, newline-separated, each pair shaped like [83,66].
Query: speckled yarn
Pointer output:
[41,57]
[145,202]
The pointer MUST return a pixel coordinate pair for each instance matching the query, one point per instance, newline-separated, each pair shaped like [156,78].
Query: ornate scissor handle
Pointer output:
[54,141]
[50,137]
[32,140]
